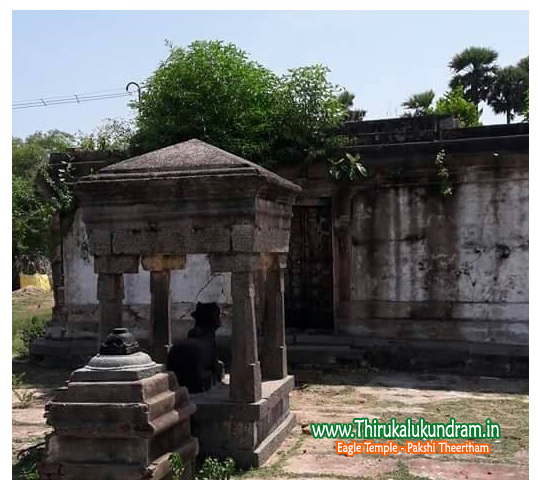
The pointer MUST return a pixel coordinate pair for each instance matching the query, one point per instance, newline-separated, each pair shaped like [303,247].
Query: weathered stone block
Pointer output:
[206,239]
[247,432]
[100,241]
[119,429]
[163,262]
[224,263]
[134,241]
[243,236]
[116,264]
[174,239]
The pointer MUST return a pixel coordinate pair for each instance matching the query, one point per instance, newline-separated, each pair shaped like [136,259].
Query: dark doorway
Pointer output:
[309,275]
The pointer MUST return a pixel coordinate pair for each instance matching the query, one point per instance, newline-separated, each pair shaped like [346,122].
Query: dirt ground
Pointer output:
[334,398]
[342,396]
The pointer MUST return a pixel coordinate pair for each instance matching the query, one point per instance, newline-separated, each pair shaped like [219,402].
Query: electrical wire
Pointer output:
[73,98]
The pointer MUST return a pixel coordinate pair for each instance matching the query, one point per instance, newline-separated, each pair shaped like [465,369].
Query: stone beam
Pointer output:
[230,263]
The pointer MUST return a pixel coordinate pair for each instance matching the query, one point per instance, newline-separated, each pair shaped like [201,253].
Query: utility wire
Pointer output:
[74,98]
[110,90]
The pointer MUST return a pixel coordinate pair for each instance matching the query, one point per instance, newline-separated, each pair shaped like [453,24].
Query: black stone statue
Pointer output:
[194,360]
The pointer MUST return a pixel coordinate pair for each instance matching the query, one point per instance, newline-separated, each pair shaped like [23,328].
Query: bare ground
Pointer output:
[347,395]
[340,397]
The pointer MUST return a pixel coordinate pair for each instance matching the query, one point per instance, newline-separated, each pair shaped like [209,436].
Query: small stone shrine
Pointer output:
[193,198]
[119,418]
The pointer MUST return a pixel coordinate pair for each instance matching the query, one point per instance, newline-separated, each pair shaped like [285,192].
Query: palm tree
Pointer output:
[419,103]
[474,69]
[509,91]
[346,99]
[523,64]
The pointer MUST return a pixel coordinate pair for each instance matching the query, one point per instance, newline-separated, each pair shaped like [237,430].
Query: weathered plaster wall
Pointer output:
[188,286]
[426,266]
[414,267]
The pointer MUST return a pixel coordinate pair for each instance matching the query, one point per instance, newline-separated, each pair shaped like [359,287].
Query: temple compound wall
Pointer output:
[425,260]
[430,251]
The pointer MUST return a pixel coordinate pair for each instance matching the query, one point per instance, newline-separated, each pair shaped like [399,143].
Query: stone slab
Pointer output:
[273,441]
[216,403]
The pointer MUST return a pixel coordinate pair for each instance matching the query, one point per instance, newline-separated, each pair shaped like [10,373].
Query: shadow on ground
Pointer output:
[349,376]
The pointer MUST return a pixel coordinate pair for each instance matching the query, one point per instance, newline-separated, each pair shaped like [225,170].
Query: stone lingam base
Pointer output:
[119,417]
[247,432]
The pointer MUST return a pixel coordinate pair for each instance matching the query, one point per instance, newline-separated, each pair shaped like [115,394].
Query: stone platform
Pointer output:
[247,432]
[118,429]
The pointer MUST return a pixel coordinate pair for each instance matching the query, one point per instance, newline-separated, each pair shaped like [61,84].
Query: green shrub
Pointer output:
[18,387]
[29,330]
[213,469]
[177,466]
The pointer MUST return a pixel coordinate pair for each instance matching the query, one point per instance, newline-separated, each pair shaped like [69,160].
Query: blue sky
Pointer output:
[381,56]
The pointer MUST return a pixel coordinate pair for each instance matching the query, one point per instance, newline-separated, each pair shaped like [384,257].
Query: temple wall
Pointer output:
[430,267]
[410,265]
[422,273]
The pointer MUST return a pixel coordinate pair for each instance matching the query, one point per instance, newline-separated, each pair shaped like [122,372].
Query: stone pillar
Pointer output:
[110,296]
[245,376]
[274,364]
[110,271]
[160,314]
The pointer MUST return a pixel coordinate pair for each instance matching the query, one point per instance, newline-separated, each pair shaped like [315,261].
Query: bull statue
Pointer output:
[194,360]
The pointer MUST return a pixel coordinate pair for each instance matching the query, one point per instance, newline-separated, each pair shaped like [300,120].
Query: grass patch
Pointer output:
[30,312]
[512,413]
[400,473]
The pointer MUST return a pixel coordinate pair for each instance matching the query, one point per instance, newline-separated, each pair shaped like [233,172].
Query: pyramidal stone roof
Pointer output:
[189,158]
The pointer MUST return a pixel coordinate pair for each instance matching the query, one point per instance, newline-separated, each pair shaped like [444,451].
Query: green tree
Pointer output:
[111,134]
[509,90]
[474,69]
[523,64]
[211,90]
[346,99]
[419,104]
[31,217]
[526,109]
[35,197]
[454,103]
[308,110]
[28,155]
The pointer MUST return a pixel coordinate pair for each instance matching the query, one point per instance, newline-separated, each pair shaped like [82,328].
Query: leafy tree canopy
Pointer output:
[211,90]
[32,205]
[112,134]
[509,91]
[31,153]
[474,69]
[31,217]
[454,103]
